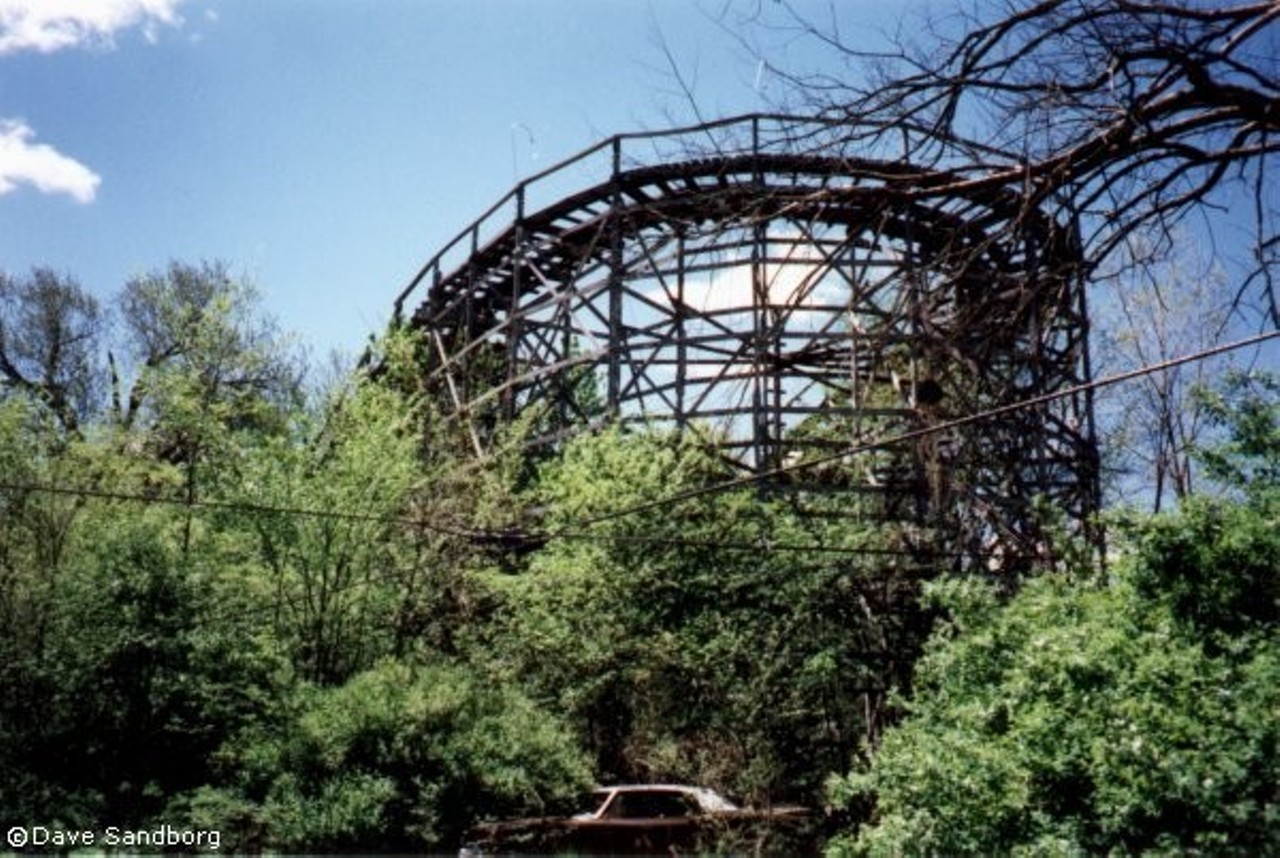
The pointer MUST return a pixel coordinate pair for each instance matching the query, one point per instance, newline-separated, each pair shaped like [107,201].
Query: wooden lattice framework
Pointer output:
[750,281]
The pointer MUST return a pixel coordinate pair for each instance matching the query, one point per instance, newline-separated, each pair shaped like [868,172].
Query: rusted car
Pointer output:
[649,819]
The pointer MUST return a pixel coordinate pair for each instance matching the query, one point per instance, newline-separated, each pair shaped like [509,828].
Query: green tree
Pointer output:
[1246,407]
[1127,713]
[36,541]
[399,758]
[131,648]
[223,604]
[328,507]
[690,641]
[205,373]
[50,331]
[195,332]
[1076,720]
[141,668]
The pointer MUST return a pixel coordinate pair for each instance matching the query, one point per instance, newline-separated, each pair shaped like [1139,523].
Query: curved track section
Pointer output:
[783,304]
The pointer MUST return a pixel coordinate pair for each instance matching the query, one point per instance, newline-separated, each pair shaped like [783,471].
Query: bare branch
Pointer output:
[1155,107]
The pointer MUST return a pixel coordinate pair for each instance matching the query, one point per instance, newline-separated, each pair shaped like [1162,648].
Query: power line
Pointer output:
[233,506]
[509,538]
[764,545]
[856,449]
[515,537]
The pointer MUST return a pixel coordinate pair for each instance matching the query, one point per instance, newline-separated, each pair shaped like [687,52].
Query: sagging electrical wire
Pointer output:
[518,538]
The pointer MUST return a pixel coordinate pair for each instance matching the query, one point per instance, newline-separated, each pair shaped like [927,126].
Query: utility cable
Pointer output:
[914,434]
[575,530]
[236,506]
[509,538]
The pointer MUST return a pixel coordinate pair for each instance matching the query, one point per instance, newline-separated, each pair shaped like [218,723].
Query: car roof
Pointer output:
[708,799]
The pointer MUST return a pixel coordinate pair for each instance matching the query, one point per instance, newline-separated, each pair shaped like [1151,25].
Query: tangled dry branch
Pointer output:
[1127,115]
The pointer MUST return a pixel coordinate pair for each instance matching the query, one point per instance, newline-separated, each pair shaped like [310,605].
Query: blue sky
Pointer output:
[324,149]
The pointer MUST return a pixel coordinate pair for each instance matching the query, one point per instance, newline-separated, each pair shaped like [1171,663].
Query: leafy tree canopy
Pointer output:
[722,641]
[1131,712]
[402,757]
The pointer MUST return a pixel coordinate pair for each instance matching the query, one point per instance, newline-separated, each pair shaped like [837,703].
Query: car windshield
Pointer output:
[633,801]
[592,802]
[650,804]
[714,802]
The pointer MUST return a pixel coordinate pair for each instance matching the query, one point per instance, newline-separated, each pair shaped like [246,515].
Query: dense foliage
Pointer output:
[300,616]
[289,613]
[1128,712]
[215,595]
[692,642]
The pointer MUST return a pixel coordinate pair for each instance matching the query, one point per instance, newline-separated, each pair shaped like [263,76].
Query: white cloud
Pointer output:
[802,289]
[50,25]
[798,283]
[23,161]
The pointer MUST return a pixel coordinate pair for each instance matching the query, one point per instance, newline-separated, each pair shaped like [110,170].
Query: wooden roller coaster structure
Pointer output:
[750,281]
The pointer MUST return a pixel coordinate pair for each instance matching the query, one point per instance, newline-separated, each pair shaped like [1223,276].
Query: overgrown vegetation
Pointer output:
[1089,716]
[218,596]
[230,599]
[244,604]
[235,601]
[1131,711]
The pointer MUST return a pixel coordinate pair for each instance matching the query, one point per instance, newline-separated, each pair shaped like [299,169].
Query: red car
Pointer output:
[647,819]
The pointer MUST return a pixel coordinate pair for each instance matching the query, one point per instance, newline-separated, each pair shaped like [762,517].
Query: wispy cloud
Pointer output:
[51,25]
[795,284]
[23,161]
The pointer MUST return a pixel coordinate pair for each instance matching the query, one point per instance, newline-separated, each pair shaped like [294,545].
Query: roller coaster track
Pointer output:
[558,240]
[780,296]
